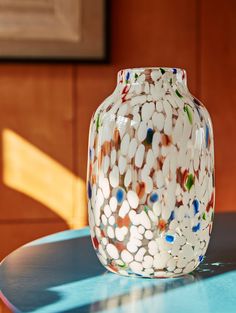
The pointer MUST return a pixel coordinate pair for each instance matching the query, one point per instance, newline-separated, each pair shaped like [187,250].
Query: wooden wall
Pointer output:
[46,108]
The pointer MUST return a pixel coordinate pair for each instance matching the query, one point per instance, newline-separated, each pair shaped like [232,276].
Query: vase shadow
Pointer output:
[67,274]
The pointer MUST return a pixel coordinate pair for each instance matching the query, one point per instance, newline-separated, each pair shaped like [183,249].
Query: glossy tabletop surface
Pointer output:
[61,273]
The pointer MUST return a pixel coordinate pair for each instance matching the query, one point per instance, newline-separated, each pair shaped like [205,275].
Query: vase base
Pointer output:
[155,275]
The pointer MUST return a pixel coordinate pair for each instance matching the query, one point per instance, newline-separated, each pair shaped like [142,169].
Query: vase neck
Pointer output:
[151,75]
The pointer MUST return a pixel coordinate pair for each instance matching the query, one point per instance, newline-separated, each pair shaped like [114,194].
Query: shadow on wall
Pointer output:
[32,172]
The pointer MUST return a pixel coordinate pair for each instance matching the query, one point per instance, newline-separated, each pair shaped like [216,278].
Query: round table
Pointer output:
[61,273]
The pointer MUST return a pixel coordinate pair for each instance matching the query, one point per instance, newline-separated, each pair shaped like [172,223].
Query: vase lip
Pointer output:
[144,68]
[131,75]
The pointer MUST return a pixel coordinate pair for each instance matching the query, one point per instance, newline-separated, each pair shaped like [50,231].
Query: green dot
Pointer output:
[98,122]
[178,94]
[189,113]
[212,216]
[121,264]
[162,71]
[190,181]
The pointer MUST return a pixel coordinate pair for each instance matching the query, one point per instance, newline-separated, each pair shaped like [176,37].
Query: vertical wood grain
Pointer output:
[218,48]
[36,104]
[155,33]
[16,234]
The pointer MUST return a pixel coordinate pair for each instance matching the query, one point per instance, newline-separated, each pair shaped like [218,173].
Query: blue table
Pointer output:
[61,273]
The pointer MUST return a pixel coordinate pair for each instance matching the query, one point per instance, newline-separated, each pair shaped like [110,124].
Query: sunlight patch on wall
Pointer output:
[29,170]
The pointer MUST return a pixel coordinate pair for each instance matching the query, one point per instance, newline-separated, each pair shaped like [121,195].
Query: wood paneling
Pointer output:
[155,33]
[217,81]
[36,104]
[17,234]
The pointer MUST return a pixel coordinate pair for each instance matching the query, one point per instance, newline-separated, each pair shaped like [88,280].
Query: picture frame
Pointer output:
[54,30]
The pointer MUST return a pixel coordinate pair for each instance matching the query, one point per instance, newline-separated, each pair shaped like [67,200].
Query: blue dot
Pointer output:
[196,228]
[149,136]
[119,195]
[174,70]
[127,76]
[90,153]
[170,238]
[198,111]
[200,258]
[172,216]
[196,206]
[89,191]
[207,135]
[154,197]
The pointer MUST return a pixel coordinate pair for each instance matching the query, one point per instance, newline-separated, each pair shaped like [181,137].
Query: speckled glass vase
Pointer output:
[151,175]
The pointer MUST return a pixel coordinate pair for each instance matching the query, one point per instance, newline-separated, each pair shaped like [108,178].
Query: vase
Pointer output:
[150,175]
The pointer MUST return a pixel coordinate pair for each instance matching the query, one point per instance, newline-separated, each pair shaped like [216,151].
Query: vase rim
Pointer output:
[131,75]
[166,68]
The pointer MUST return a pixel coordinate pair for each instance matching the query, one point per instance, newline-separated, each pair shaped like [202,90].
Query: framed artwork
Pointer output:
[53,30]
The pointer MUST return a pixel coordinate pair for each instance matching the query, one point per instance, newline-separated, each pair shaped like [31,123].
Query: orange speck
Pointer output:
[123,221]
[152,172]
[125,89]
[184,177]
[95,142]
[196,173]
[113,267]
[160,162]
[116,138]
[94,179]
[140,189]
[120,246]
[106,148]
[162,225]
[90,169]
[100,158]
[166,140]
[179,203]
[181,177]
[95,242]
[210,204]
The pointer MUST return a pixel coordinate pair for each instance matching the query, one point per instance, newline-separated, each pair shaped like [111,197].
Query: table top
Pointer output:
[61,273]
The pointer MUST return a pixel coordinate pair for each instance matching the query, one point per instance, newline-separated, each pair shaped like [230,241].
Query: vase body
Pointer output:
[151,176]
